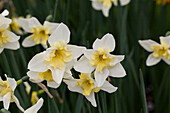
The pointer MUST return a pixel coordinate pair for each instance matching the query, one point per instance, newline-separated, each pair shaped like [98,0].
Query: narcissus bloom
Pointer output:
[8,40]
[40,33]
[35,107]
[87,86]
[7,88]
[55,63]
[101,61]
[105,5]
[159,51]
[15,26]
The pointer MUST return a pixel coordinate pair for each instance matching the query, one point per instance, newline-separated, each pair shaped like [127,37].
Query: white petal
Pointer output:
[91,98]
[4,22]
[67,76]
[57,75]
[27,42]
[101,77]
[5,13]
[18,104]
[151,60]
[35,107]
[117,59]
[13,37]
[61,33]
[83,65]
[117,71]
[52,26]
[33,22]
[34,76]
[97,5]
[105,11]
[6,100]
[1,49]
[124,2]
[166,60]
[107,41]
[12,45]
[147,44]
[37,63]
[24,23]
[53,84]
[76,50]
[88,53]
[165,40]
[70,65]
[108,87]
[13,83]
[72,85]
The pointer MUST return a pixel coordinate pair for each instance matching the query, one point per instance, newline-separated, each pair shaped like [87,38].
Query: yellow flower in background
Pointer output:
[105,5]
[8,40]
[159,51]
[55,63]
[88,87]
[101,61]
[7,88]
[40,33]
[34,97]
[162,1]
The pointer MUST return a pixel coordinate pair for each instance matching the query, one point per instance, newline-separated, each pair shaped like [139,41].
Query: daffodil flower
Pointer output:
[87,86]
[8,40]
[7,88]
[101,61]
[105,5]
[15,26]
[35,107]
[27,87]
[159,51]
[54,63]
[40,33]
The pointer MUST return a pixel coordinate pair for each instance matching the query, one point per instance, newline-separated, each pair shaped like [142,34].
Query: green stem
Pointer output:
[23,79]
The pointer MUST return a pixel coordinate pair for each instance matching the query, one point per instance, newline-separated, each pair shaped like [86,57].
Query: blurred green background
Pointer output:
[143,90]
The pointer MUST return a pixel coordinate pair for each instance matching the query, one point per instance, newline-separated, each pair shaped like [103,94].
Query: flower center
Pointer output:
[5,88]
[101,59]
[15,26]
[47,75]
[107,3]
[58,57]
[40,34]
[161,51]
[3,37]
[86,84]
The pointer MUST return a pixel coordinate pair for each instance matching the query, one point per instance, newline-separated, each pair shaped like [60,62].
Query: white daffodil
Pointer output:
[105,5]
[27,87]
[101,61]
[35,107]
[88,87]
[54,63]
[40,33]
[159,51]
[8,40]
[7,88]
[15,26]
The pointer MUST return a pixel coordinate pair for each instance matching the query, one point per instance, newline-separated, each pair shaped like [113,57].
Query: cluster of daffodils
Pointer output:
[105,5]
[8,40]
[55,63]
[7,88]
[159,51]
